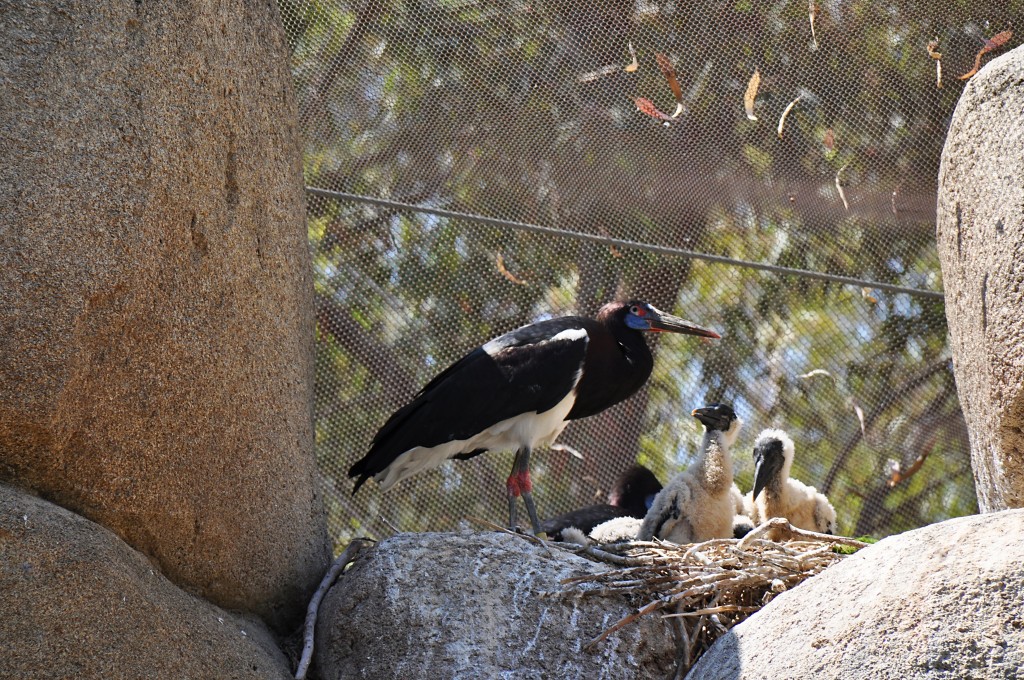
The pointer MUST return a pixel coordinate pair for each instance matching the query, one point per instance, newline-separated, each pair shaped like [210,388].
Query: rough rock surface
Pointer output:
[79,603]
[942,602]
[473,606]
[155,294]
[981,249]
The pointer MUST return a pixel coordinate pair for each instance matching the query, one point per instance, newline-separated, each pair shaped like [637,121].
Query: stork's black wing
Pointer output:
[584,519]
[528,370]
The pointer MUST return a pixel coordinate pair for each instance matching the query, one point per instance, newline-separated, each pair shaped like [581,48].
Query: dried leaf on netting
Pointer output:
[614,251]
[507,274]
[669,72]
[829,139]
[995,42]
[839,187]
[751,94]
[816,373]
[630,68]
[599,73]
[646,106]
[933,47]
[893,466]
[897,475]
[812,11]
[860,418]
[785,112]
[998,40]
[866,294]
[977,65]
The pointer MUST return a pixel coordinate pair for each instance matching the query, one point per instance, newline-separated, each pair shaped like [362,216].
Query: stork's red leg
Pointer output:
[525,484]
[514,490]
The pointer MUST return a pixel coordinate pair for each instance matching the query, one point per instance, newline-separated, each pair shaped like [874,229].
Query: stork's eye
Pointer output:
[639,311]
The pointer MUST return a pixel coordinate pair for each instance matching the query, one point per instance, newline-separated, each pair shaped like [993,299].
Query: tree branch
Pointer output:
[334,319]
[899,392]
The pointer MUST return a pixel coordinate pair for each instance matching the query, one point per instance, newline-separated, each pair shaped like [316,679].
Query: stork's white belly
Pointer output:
[525,430]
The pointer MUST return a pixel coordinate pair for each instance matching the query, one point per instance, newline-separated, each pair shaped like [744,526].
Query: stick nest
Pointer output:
[704,589]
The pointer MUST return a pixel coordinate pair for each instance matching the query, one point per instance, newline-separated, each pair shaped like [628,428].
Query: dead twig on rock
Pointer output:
[328,580]
[389,525]
[529,537]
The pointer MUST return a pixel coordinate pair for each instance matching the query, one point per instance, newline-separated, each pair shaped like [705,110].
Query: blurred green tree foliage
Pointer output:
[523,111]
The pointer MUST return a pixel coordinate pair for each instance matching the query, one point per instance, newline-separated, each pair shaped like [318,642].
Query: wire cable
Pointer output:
[624,243]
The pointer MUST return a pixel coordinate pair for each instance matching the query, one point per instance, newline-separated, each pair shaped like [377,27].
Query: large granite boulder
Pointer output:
[155,292]
[79,603]
[981,248]
[942,602]
[477,605]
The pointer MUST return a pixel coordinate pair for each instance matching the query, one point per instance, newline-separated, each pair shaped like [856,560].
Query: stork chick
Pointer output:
[741,522]
[632,496]
[617,530]
[776,494]
[700,503]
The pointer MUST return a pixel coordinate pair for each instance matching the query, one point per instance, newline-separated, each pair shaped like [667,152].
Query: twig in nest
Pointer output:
[328,580]
[714,610]
[682,649]
[626,620]
[705,589]
[783,530]
[695,551]
[605,556]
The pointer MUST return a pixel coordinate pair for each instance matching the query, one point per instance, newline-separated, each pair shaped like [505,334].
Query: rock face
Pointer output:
[155,293]
[942,602]
[478,606]
[79,603]
[981,248]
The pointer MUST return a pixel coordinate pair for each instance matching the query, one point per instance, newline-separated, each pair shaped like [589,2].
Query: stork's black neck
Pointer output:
[617,364]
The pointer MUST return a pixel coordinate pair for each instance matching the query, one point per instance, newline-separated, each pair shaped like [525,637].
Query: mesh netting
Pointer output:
[474,166]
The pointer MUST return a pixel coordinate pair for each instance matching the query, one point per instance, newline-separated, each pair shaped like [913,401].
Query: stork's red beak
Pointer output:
[663,322]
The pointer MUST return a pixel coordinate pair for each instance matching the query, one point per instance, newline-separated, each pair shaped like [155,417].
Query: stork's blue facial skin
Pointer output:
[638,323]
[641,316]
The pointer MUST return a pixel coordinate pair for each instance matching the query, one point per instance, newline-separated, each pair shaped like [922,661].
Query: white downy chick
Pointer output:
[700,503]
[776,494]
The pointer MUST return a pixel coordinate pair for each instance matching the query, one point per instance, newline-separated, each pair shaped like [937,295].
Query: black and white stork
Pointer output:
[519,391]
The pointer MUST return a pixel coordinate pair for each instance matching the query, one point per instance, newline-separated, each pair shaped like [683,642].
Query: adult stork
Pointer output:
[519,391]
